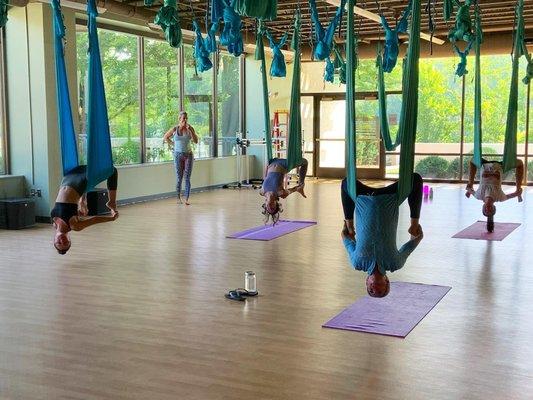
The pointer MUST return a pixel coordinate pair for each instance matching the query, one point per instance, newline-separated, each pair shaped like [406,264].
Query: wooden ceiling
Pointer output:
[497,16]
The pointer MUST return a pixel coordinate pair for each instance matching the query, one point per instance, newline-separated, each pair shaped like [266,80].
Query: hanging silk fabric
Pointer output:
[392,42]
[294,148]
[463,23]
[261,9]
[461,66]
[329,71]
[406,135]
[201,54]
[511,127]
[342,65]
[260,55]
[167,18]
[99,154]
[69,150]
[350,143]
[478,132]
[231,36]
[217,10]
[324,38]
[447,9]
[278,67]
[409,110]
[211,40]
[3,12]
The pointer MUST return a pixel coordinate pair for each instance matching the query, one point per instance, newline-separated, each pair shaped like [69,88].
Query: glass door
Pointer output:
[330,137]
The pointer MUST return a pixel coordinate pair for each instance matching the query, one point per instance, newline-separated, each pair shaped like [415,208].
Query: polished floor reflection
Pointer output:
[136,309]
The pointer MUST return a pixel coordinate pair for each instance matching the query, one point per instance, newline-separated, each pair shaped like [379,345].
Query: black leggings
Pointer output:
[414,199]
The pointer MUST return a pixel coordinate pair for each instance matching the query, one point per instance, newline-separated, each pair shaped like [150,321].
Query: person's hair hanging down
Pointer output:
[274,186]
[273,214]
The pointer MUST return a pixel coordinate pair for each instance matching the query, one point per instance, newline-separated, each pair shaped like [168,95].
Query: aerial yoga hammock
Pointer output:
[79,179]
[263,9]
[278,67]
[377,210]
[273,184]
[392,42]
[231,36]
[324,38]
[490,190]
[4,4]
[462,30]
[201,52]
[167,18]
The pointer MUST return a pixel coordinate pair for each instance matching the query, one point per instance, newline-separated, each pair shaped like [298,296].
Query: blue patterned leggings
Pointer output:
[183,163]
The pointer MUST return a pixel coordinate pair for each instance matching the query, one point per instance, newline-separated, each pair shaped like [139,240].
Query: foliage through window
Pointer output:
[120,64]
[227,104]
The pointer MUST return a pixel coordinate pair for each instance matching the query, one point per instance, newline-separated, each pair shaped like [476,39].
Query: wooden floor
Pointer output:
[136,309]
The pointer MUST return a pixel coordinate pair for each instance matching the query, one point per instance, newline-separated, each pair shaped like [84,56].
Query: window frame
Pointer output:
[3,104]
[141,38]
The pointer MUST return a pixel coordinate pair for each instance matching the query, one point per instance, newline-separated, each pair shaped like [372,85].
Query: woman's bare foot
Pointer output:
[179,200]
[300,189]
[187,202]
[111,206]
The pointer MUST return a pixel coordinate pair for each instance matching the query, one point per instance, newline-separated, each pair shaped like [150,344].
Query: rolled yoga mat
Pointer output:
[394,315]
[269,232]
[478,231]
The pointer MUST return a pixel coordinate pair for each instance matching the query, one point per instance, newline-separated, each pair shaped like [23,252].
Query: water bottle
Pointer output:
[250,282]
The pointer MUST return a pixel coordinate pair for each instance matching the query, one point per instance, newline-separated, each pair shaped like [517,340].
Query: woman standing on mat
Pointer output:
[274,186]
[71,204]
[371,245]
[490,185]
[180,137]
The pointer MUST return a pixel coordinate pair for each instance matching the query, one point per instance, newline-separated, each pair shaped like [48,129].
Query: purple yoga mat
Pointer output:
[394,315]
[478,231]
[269,232]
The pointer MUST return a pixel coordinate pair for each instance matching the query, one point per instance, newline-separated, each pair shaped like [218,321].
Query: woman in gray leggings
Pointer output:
[180,137]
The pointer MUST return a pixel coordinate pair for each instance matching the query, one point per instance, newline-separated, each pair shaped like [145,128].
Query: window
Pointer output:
[162,105]
[198,103]
[120,64]
[3,139]
[228,107]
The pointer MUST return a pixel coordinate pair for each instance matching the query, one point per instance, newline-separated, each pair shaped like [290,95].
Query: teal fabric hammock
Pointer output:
[350,143]
[217,10]
[324,38]
[99,154]
[392,42]
[260,55]
[231,36]
[278,67]
[462,29]
[511,127]
[3,12]
[294,150]
[406,135]
[478,132]
[167,18]
[329,71]
[67,135]
[262,9]
[201,53]
[461,66]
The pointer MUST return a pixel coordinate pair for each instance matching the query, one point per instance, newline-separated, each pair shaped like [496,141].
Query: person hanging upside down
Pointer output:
[371,246]
[71,204]
[274,186]
[490,186]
